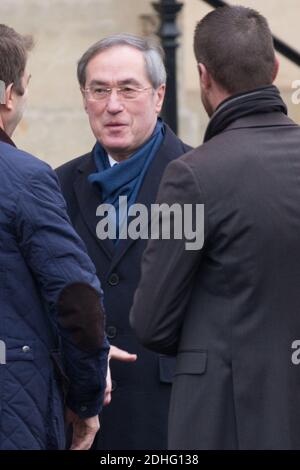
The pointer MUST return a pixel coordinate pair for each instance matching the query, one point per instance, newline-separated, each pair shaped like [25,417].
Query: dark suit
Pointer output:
[137,415]
[231,311]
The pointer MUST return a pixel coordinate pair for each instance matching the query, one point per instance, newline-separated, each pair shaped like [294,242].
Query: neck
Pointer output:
[218,98]
[119,157]
[1,123]
[8,129]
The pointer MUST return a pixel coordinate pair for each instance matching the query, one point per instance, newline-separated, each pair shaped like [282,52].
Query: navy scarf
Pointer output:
[261,100]
[125,178]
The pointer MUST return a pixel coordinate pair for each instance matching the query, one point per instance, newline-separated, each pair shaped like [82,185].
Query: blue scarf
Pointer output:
[125,179]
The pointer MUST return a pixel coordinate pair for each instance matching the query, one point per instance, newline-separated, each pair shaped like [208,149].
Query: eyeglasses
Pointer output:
[98,93]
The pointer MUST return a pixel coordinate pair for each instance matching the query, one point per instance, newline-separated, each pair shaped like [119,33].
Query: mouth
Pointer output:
[115,125]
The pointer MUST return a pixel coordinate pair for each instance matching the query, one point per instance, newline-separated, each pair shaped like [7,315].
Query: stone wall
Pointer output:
[55,126]
[283,19]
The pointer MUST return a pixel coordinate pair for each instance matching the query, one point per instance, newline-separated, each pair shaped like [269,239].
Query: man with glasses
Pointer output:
[122,80]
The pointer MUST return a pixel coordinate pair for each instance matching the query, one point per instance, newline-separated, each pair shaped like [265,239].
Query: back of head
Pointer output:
[236,46]
[152,51]
[13,56]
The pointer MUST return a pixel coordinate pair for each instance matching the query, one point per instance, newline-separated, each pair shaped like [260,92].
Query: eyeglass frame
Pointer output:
[118,89]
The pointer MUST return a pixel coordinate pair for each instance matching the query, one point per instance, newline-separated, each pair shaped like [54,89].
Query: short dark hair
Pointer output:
[14,49]
[236,46]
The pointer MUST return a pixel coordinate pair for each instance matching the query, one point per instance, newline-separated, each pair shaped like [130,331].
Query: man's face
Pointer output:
[121,125]
[19,102]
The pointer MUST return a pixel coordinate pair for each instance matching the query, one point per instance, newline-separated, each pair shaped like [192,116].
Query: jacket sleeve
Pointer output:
[168,267]
[69,288]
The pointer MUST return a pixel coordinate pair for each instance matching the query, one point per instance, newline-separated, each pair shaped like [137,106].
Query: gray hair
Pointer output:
[152,51]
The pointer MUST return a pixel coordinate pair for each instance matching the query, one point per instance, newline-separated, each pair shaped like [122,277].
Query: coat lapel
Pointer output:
[88,198]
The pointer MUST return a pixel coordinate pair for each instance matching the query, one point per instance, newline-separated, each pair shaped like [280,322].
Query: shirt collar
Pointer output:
[112,161]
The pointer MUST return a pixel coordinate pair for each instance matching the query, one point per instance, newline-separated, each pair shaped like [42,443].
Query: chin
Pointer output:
[114,146]
[117,150]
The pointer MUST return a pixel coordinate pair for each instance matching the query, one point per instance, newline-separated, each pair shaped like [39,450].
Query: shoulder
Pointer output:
[173,144]
[215,152]
[24,177]
[67,170]
[20,165]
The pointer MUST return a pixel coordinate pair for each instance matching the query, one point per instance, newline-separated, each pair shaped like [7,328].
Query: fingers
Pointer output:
[84,432]
[108,389]
[107,398]
[82,441]
[121,355]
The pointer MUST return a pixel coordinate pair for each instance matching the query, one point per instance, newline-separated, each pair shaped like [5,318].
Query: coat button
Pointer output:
[113,279]
[113,385]
[26,349]
[111,332]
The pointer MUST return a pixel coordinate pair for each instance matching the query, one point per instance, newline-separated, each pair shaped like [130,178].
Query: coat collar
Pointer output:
[5,138]
[88,198]
[88,195]
[261,120]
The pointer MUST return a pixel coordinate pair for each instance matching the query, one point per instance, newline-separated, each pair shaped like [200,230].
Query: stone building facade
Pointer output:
[55,126]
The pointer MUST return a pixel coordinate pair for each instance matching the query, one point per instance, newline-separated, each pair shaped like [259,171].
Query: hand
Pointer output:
[84,430]
[119,355]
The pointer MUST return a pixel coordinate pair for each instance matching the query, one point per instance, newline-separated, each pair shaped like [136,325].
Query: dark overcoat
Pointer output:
[137,415]
[230,311]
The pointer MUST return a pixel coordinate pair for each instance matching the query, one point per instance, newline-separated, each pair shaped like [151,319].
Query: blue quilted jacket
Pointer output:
[40,255]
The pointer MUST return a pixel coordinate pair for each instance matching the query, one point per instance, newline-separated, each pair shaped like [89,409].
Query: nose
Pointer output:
[114,105]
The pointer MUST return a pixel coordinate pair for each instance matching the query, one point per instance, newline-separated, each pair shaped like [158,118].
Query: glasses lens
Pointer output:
[99,93]
[129,93]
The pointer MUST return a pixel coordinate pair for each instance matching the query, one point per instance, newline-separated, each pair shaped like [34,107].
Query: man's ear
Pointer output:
[83,99]
[276,68]
[204,76]
[160,95]
[9,96]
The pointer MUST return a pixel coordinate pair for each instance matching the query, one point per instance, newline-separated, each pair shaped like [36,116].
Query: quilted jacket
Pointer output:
[43,358]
